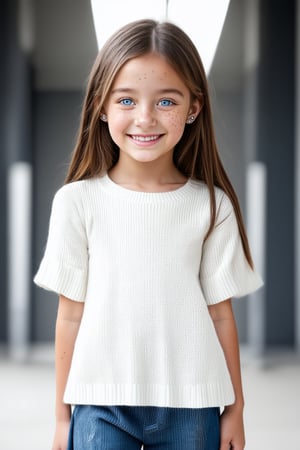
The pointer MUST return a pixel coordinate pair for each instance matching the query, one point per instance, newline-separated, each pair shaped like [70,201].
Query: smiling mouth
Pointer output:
[150,138]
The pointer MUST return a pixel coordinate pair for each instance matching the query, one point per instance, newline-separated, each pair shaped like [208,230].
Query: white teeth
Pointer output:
[144,138]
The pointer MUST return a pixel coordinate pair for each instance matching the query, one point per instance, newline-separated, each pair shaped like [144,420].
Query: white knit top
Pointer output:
[139,262]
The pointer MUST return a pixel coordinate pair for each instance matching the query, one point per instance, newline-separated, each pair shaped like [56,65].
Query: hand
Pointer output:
[232,429]
[60,441]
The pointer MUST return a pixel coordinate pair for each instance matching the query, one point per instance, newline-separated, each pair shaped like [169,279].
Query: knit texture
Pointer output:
[139,262]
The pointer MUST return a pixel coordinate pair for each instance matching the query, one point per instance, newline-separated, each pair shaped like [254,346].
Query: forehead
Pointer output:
[150,67]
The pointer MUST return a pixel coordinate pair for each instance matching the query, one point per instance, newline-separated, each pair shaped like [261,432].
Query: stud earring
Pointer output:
[103,117]
[190,120]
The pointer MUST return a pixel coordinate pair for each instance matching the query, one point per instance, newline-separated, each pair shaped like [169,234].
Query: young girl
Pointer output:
[146,247]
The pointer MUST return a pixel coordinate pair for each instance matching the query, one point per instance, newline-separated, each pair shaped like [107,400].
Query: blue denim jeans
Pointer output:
[131,427]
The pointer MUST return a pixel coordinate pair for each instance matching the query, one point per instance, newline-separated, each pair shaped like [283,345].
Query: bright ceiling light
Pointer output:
[202,20]
[110,15]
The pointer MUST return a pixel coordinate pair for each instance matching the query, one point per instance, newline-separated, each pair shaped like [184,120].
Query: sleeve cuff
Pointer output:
[62,279]
[223,286]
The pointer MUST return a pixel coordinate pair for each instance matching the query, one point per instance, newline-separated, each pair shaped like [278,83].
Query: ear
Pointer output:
[195,107]
[194,110]
[103,117]
[99,109]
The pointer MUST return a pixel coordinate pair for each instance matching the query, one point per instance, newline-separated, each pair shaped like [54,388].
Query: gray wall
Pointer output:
[56,117]
[266,90]
[227,87]
[53,112]
[276,148]
[3,164]
[229,128]
[15,127]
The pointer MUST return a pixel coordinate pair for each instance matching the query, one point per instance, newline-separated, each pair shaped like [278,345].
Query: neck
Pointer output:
[147,175]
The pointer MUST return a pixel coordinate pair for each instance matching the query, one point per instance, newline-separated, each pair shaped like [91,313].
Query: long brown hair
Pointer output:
[196,154]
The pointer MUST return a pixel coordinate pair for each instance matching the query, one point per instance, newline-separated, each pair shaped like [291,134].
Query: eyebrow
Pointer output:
[160,91]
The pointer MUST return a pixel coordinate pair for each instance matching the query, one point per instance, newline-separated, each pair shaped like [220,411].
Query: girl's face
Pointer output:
[147,109]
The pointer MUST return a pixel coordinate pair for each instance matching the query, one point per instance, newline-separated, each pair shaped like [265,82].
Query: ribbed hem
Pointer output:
[187,396]
[64,280]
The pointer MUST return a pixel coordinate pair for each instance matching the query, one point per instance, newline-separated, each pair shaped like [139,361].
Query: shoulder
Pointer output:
[77,187]
[224,206]
[76,190]
[200,188]
[74,197]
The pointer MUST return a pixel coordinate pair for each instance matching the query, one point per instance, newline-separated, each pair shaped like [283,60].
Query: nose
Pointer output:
[145,117]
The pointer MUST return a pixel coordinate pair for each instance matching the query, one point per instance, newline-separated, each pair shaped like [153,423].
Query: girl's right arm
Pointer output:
[67,324]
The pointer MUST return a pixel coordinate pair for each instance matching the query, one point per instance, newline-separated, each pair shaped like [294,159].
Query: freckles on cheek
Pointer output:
[176,121]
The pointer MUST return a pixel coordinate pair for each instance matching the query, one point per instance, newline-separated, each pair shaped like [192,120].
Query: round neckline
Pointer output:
[121,190]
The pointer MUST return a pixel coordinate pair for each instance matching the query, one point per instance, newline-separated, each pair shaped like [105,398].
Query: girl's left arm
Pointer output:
[232,426]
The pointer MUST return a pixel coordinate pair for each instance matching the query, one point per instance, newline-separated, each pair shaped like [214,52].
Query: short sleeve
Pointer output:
[224,270]
[64,267]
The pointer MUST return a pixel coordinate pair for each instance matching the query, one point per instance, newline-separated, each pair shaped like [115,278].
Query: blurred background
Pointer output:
[47,48]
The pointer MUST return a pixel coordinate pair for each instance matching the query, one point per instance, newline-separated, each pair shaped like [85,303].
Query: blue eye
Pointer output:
[126,102]
[165,102]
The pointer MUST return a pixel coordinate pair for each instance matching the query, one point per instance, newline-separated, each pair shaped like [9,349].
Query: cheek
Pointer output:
[117,124]
[176,122]
[119,119]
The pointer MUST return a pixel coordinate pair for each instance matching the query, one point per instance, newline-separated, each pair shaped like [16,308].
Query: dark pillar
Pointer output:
[275,148]
[3,167]
[16,150]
